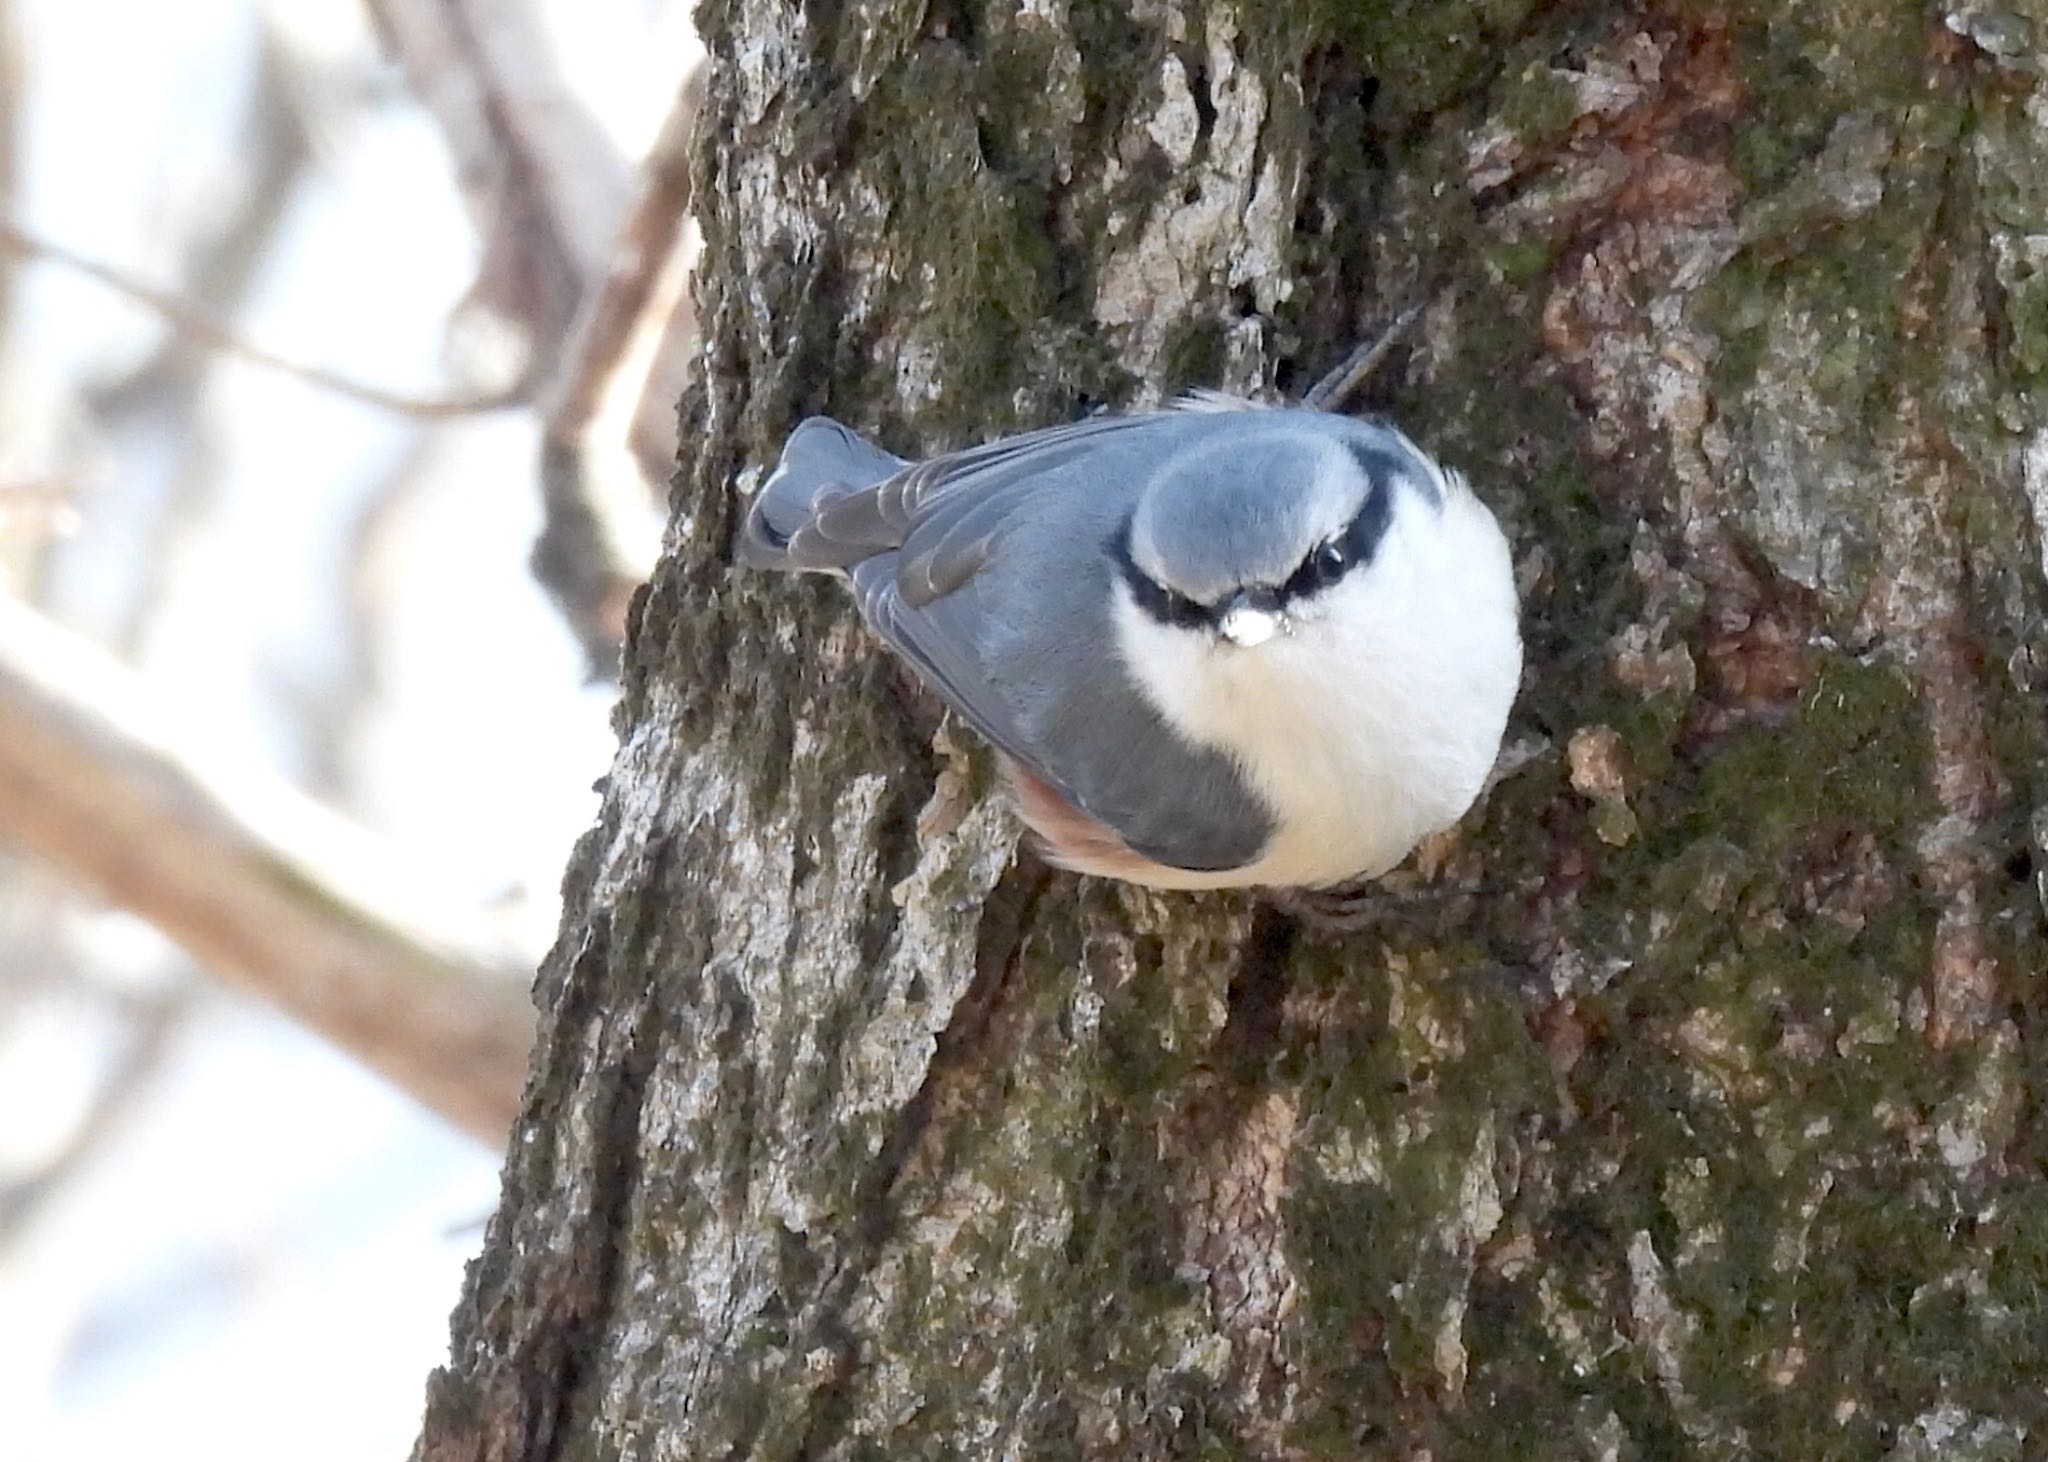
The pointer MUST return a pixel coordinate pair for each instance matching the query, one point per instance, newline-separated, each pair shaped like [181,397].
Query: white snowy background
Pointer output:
[220,1238]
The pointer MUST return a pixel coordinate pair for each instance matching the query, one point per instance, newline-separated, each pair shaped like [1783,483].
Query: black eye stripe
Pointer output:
[1326,564]
[1381,466]
[1154,598]
[1333,558]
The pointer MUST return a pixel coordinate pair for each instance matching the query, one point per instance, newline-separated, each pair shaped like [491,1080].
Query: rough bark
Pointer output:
[1709,1126]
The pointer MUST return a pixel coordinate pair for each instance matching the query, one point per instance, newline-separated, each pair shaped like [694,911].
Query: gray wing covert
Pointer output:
[945,518]
[943,510]
[836,500]
[957,506]
[944,513]
[943,658]
[988,576]
[1024,653]
[1070,716]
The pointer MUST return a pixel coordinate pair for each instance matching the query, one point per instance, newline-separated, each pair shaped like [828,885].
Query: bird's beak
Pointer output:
[1251,618]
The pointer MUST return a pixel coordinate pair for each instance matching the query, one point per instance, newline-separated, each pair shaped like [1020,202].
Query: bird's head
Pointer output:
[1249,530]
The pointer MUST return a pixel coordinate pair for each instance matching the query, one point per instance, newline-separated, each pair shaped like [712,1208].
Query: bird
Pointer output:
[1220,644]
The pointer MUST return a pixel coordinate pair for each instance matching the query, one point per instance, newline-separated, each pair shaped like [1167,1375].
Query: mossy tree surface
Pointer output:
[1709,1126]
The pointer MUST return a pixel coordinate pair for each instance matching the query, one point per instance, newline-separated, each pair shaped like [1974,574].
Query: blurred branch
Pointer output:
[191,323]
[299,906]
[601,529]
[39,507]
[594,270]
[221,254]
[656,430]
[224,250]
[10,106]
[126,1086]
[639,288]
[544,182]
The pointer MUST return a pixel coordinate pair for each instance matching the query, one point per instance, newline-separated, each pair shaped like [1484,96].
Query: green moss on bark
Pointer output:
[1645,1144]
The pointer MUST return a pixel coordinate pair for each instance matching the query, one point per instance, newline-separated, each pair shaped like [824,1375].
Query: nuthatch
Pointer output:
[1217,646]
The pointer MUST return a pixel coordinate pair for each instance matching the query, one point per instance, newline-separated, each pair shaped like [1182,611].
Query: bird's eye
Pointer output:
[1328,562]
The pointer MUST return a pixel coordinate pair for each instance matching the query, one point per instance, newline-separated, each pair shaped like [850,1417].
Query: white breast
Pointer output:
[1373,722]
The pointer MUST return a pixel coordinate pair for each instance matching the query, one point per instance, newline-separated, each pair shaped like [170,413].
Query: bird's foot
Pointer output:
[1347,908]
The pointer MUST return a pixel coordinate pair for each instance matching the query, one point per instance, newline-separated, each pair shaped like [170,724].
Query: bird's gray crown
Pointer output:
[1245,508]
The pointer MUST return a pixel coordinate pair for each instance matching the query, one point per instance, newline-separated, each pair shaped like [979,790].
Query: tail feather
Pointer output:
[821,460]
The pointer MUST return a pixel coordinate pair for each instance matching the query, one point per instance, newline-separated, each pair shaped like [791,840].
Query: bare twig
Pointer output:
[638,289]
[125,1088]
[1333,390]
[599,491]
[590,264]
[195,325]
[544,183]
[39,506]
[218,259]
[260,884]
[220,255]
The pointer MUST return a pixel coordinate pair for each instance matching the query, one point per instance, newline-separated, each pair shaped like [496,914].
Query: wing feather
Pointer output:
[912,543]
[945,664]
[947,513]
[957,521]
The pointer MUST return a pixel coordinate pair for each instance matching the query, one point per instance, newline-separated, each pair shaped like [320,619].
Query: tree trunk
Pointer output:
[1687,1101]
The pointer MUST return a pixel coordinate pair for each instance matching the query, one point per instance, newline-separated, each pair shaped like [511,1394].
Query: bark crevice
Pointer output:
[968,1056]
